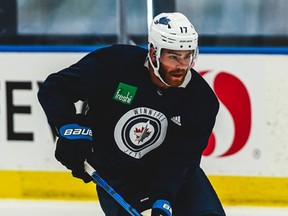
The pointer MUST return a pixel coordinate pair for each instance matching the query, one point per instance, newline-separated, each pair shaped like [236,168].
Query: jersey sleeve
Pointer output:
[61,90]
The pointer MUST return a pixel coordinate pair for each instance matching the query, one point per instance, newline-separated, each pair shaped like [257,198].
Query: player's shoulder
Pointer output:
[121,49]
[119,53]
[127,47]
[199,82]
[201,86]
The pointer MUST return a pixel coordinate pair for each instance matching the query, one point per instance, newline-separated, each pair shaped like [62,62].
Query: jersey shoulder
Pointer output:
[119,54]
[205,93]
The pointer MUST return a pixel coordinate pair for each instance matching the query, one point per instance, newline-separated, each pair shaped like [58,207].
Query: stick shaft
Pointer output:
[101,182]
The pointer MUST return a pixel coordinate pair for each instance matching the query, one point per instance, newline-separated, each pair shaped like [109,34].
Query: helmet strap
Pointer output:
[156,55]
[156,70]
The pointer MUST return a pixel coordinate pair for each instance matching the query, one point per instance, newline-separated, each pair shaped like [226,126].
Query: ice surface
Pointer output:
[72,208]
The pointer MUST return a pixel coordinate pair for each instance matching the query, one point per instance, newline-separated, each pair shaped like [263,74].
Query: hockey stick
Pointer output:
[101,182]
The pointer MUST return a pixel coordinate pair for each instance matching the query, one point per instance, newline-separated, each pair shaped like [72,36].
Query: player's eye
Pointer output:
[188,56]
[173,57]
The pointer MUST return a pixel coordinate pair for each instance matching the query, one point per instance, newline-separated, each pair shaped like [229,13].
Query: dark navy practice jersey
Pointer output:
[139,133]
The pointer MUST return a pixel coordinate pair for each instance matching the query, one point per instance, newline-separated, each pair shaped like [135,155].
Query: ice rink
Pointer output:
[71,208]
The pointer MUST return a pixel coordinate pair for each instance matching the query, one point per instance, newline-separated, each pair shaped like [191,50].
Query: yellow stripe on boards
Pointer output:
[232,190]
[44,185]
[252,190]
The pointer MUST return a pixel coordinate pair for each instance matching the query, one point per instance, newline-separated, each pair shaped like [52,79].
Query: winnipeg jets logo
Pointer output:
[142,133]
[140,130]
[163,21]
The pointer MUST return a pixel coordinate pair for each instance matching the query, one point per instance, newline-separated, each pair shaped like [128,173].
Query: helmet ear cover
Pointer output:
[152,56]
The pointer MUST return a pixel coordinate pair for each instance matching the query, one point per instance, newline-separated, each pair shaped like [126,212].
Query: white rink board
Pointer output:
[264,77]
[30,68]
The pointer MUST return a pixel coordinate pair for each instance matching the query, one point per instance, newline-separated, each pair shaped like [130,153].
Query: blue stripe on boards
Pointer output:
[202,49]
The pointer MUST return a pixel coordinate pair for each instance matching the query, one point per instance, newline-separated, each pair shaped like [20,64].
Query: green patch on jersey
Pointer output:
[125,93]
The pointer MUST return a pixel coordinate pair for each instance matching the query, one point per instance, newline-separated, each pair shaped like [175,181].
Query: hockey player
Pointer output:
[151,117]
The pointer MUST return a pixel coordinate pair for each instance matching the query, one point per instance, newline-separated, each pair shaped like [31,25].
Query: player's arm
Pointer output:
[57,96]
[59,92]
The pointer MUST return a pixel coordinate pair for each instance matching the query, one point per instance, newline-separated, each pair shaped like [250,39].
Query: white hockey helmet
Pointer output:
[171,31]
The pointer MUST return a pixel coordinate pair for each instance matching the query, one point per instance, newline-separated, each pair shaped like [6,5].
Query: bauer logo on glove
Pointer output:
[75,131]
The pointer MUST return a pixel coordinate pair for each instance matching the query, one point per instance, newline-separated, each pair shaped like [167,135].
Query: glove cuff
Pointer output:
[163,205]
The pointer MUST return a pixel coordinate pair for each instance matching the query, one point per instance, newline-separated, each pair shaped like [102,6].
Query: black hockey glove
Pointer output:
[73,147]
[161,208]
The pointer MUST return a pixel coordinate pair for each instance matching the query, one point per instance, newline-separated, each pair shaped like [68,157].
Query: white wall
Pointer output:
[262,76]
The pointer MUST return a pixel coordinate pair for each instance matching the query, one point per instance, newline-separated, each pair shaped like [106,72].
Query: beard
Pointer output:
[172,76]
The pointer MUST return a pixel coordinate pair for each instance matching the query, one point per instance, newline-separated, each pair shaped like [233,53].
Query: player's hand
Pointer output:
[161,208]
[73,147]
